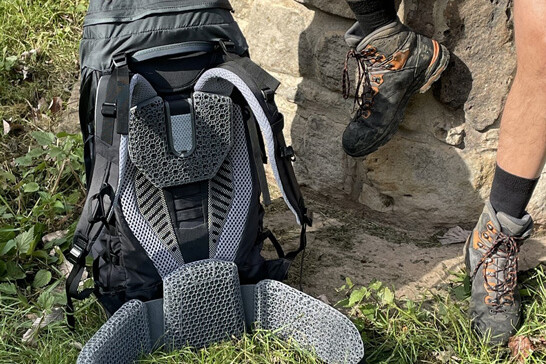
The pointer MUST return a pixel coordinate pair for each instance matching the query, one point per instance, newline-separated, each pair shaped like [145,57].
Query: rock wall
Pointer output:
[438,168]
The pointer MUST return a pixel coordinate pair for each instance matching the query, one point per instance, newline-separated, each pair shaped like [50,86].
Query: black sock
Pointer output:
[373,14]
[511,194]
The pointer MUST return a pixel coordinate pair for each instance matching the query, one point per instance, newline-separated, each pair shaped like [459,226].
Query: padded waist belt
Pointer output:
[204,303]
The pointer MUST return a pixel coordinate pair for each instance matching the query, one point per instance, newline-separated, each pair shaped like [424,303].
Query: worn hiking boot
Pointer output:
[491,257]
[393,63]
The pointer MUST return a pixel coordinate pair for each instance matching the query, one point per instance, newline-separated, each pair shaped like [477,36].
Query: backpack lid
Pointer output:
[120,11]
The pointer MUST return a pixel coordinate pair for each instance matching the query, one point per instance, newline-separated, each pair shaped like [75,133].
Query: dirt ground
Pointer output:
[348,242]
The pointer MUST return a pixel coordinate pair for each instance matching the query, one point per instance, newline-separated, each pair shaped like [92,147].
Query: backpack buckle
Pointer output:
[120,60]
[109,110]
[288,153]
[308,217]
[268,95]
[77,251]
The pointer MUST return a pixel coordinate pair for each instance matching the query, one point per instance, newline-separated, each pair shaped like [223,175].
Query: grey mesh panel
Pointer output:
[122,339]
[152,205]
[149,146]
[215,76]
[234,226]
[220,201]
[141,90]
[202,304]
[311,323]
[217,86]
[159,253]
[182,132]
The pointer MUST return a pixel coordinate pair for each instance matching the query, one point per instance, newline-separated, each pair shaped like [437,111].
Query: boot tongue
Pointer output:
[386,39]
[513,226]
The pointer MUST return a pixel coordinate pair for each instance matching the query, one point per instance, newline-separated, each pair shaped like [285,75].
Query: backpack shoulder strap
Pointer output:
[98,208]
[258,88]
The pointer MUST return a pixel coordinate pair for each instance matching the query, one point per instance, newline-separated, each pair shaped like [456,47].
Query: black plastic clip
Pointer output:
[308,217]
[109,110]
[120,60]
[288,152]
[268,95]
[76,253]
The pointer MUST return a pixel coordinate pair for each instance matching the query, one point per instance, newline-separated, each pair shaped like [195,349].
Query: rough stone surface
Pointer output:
[438,168]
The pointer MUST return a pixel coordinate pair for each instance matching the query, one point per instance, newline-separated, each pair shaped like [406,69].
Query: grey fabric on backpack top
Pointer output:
[204,304]
[123,26]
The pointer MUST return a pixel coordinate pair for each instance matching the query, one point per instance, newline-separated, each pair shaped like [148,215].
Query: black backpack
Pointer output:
[178,123]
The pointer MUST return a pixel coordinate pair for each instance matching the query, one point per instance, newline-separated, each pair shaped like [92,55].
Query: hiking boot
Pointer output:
[393,63]
[492,263]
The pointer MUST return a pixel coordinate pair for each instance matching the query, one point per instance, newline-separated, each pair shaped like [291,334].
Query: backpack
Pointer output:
[178,123]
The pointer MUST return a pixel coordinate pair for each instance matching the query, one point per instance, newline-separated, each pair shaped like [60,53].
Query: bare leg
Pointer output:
[522,143]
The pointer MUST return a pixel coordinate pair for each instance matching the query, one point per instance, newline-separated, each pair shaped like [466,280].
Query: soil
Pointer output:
[365,246]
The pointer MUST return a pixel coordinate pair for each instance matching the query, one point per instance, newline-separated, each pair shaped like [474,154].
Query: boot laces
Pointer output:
[364,93]
[502,288]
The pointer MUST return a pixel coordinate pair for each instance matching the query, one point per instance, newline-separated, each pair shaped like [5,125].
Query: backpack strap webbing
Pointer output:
[258,88]
[97,210]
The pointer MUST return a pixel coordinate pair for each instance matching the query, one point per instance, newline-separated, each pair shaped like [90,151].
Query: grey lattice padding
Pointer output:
[152,205]
[163,259]
[311,323]
[122,339]
[219,76]
[182,133]
[202,304]
[220,200]
[149,145]
[235,223]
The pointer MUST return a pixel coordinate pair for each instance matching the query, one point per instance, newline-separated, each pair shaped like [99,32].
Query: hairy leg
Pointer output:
[522,143]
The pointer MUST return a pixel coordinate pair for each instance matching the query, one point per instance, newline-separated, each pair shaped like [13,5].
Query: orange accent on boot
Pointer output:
[476,241]
[399,59]
[435,54]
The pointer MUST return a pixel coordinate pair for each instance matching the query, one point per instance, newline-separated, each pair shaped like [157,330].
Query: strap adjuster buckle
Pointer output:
[76,253]
[288,152]
[308,217]
[120,60]
[268,95]
[109,109]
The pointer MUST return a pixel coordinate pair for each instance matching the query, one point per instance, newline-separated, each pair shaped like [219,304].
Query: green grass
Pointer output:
[56,344]
[38,55]
[436,329]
